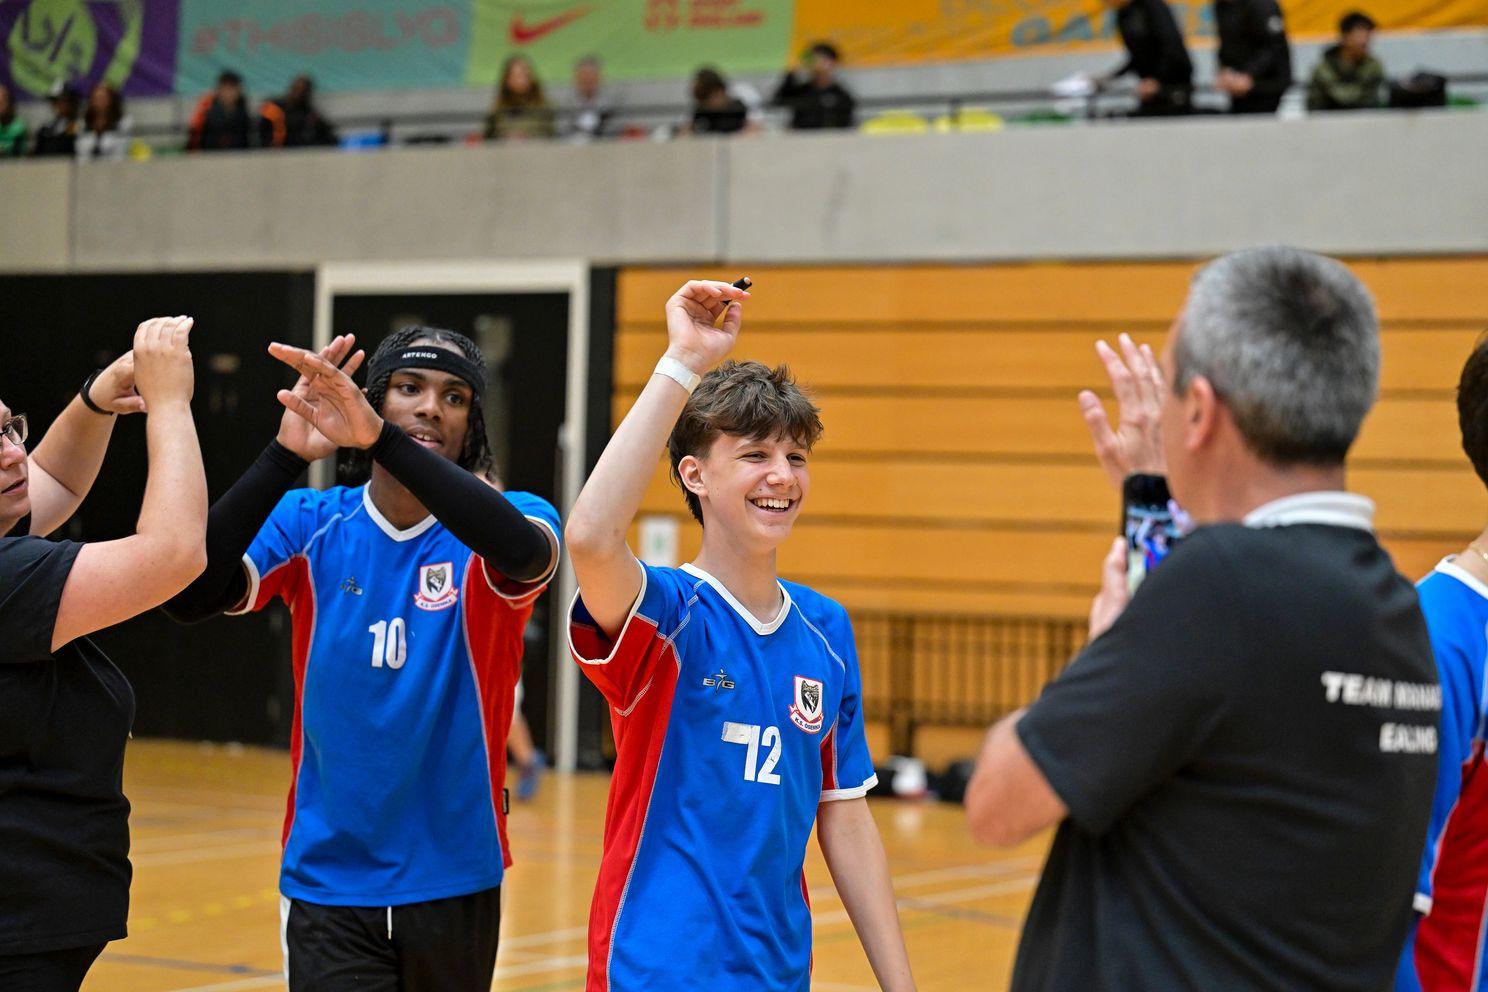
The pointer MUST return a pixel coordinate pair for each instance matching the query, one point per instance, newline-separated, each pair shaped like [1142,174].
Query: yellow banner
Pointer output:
[907,32]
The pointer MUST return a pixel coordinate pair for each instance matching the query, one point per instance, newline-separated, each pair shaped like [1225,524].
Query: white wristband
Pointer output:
[678,373]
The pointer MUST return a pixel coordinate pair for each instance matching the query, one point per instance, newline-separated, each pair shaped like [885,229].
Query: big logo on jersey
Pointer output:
[436,587]
[806,711]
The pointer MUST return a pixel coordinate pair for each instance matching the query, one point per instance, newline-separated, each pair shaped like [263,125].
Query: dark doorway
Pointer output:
[524,338]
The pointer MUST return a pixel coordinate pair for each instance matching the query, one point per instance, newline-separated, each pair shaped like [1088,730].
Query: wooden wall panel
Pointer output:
[955,474]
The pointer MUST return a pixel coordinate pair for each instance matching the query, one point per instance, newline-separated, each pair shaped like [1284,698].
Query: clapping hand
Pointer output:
[161,360]
[297,433]
[329,401]
[691,313]
[1135,445]
[113,389]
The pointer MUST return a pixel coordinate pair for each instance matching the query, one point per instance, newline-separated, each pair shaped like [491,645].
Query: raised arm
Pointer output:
[66,462]
[597,525]
[855,856]
[479,517]
[238,514]
[112,581]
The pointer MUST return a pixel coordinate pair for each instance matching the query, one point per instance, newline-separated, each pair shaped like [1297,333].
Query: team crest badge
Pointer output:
[436,587]
[806,711]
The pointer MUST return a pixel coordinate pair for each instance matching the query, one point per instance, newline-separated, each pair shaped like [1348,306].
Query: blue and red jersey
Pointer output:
[729,733]
[406,653]
[1446,951]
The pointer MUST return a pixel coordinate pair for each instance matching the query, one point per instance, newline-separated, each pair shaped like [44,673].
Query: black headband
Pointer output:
[424,356]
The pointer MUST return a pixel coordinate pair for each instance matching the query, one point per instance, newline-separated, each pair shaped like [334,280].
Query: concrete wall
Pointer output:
[36,201]
[1386,183]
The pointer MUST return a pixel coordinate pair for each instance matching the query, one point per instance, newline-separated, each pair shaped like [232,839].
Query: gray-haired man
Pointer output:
[1241,761]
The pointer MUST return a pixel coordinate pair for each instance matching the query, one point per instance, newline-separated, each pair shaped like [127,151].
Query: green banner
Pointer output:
[635,39]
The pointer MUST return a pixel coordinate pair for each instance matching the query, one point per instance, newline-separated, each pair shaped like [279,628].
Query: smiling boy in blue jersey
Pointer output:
[409,596]
[735,696]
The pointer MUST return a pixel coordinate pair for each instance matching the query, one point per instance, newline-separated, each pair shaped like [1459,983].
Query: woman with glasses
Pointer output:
[65,710]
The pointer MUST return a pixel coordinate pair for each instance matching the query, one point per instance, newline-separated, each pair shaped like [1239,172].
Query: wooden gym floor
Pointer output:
[205,914]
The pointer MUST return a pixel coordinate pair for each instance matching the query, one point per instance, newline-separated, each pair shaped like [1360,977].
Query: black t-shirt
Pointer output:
[64,719]
[727,119]
[1154,45]
[1252,39]
[1248,758]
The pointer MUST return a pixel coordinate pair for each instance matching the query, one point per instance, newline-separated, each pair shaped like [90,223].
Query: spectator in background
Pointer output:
[58,136]
[714,109]
[1348,76]
[812,93]
[220,122]
[1255,61]
[106,130]
[1156,55]
[293,120]
[521,110]
[593,107]
[12,126]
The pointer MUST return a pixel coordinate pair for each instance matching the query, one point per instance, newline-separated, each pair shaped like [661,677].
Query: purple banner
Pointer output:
[130,44]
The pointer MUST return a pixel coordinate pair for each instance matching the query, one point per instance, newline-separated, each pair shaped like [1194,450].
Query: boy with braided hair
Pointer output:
[409,596]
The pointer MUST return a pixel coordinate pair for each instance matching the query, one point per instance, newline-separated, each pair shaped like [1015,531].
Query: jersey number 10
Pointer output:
[389,643]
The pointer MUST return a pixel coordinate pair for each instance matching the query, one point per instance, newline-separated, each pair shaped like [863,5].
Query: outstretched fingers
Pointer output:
[297,404]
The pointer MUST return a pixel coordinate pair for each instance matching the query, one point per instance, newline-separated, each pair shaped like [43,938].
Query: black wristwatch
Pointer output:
[88,400]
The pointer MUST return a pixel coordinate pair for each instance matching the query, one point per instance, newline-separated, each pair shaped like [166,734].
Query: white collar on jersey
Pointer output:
[386,527]
[1449,566]
[1334,508]
[738,607]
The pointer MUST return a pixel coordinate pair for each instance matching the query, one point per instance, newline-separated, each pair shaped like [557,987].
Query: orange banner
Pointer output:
[909,32]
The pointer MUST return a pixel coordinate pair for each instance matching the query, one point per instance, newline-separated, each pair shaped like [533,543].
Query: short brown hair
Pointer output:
[742,399]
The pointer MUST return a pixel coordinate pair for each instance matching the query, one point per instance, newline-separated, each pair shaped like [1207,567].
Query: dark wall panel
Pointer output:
[227,679]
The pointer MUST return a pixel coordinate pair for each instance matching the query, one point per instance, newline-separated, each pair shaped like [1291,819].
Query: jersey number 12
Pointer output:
[755,738]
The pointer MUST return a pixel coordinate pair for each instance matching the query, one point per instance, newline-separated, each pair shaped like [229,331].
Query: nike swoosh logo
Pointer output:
[525,34]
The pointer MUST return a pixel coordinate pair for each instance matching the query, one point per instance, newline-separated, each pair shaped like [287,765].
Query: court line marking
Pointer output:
[179,964]
[546,964]
[911,904]
[224,852]
[248,983]
[169,843]
[548,937]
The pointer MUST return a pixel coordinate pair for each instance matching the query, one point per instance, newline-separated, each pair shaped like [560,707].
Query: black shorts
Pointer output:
[51,971]
[448,945]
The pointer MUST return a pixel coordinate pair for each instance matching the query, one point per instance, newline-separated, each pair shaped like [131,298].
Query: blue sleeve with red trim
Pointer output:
[622,667]
[847,767]
[285,534]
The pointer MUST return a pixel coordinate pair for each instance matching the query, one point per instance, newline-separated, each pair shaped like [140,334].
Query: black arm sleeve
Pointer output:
[480,517]
[232,523]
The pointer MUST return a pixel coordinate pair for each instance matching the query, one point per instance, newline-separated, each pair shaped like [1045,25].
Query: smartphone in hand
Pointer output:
[1149,523]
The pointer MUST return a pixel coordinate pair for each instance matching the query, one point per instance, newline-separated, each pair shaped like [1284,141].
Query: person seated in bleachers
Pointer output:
[1348,76]
[1156,55]
[220,122]
[106,129]
[593,107]
[13,130]
[520,109]
[293,120]
[813,94]
[58,136]
[714,109]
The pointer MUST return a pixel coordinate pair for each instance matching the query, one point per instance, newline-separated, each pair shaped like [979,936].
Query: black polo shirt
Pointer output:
[1248,759]
[64,719]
